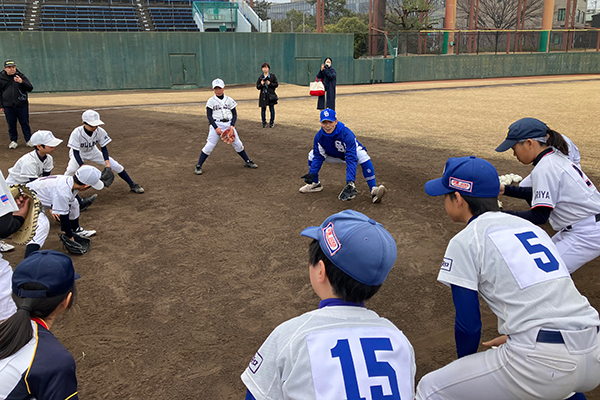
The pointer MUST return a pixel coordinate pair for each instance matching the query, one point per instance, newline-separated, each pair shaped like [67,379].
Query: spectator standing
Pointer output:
[328,75]
[267,83]
[14,86]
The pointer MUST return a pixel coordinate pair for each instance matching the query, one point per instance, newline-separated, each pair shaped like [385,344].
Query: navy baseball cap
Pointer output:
[357,245]
[470,176]
[525,128]
[328,115]
[48,268]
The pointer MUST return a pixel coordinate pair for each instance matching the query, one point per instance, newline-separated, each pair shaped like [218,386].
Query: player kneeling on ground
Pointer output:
[222,116]
[83,141]
[549,346]
[336,352]
[57,192]
[335,143]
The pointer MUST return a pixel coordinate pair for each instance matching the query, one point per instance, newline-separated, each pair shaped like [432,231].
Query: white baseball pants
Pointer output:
[43,225]
[361,155]
[580,244]
[7,305]
[213,138]
[94,156]
[520,369]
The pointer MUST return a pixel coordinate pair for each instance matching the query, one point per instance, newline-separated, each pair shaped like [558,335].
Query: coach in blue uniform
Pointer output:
[335,143]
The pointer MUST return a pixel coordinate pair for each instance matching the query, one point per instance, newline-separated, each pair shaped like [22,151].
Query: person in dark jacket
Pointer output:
[14,86]
[267,83]
[328,75]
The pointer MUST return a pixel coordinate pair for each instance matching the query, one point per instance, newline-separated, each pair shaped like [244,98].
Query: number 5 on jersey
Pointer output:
[360,364]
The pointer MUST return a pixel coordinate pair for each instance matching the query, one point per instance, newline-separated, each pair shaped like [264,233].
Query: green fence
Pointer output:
[75,61]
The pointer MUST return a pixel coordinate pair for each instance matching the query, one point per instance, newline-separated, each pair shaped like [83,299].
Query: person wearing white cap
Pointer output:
[222,115]
[82,144]
[57,192]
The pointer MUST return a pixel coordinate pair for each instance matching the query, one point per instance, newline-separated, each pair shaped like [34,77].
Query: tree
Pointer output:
[354,25]
[499,14]
[407,15]
[261,8]
[295,18]
[334,10]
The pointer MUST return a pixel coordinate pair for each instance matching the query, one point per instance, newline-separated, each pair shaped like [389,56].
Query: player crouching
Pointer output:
[58,192]
[336,144]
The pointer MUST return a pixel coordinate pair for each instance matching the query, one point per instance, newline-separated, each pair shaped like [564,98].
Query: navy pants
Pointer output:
[22,114]
[263,113]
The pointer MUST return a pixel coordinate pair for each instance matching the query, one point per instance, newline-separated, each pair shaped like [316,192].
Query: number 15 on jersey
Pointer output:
[361,364]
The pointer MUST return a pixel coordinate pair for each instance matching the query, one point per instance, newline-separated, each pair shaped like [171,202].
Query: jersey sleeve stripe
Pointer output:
[71,396]
[32,358]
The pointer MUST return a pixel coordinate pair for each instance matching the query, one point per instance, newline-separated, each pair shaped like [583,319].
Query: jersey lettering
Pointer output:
[582,175]
[541,194]
[340,146]
[360,364]
[530,255]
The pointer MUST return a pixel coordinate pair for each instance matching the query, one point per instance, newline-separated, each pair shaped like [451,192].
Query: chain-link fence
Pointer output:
[481,41]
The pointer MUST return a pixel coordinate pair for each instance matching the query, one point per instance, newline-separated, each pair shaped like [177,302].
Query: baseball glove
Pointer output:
[79,246]
[27,230]
[228,135]
[349,192]
[107,176]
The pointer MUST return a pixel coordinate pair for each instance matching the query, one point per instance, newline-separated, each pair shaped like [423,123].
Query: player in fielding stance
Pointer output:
[336,144]
[221,114]
[336,352]
[549,346]
[83,141]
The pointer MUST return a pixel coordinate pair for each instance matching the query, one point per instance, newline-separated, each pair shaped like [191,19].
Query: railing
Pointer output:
[485,41]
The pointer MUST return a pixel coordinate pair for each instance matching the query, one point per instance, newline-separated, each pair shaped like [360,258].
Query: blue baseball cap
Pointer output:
[525,128]
[470,176]
[49,268]
[328,115]
[357,245]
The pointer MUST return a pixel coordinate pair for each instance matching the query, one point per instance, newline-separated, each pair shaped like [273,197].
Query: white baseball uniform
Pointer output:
[517,270]
[7,205]
[574,156]
[55,192]
[28,167]
[86,145]
[335,352]
[221,113]
[575,202]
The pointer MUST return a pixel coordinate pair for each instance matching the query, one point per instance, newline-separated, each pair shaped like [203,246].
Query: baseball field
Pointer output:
[184,282]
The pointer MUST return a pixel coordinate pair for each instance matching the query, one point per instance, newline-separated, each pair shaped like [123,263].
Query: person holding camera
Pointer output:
[14,86]
[267,83]
[327,75]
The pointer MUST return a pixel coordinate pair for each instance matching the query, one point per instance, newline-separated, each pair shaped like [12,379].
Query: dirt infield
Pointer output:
[184,282]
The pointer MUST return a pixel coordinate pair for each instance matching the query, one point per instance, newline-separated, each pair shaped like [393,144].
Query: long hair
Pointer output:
[557,141]
[16,331]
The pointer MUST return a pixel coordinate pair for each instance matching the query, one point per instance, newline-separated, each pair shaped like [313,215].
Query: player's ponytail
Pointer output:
[17,331]
[557,141]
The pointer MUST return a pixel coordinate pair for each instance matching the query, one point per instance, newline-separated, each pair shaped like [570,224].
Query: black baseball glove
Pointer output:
[79,246]
[349,192]
[107,176]
[308,178]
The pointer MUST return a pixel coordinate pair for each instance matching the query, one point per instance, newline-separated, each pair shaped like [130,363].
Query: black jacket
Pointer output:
[268,97]
[13,94]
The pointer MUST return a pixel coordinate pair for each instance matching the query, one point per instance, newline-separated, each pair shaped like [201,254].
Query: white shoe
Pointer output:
[84,232]
[13,145]
[311,187]
[4,247]
[377,193]
[29,144]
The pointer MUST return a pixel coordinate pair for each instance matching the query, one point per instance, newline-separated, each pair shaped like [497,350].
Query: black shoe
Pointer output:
[198,170]
[135,188]
[250,164]
[264,124]
[272,125]
[87,202]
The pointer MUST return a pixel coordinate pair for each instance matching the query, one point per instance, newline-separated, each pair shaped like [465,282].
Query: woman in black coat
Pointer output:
[267,83]
[329,77]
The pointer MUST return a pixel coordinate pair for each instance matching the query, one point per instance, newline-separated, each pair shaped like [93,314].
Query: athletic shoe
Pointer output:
[29,144]
[198,170]
[13,145]
[87,202]
[250,164]
[135,188]
[377,193]
[84,232]
[272,125]
[311,187]
[4,247]
[264,124]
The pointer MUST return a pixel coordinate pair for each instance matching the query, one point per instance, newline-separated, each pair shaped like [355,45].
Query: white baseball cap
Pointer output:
[218,83]
[92,118]
[46,138]
[89,175]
